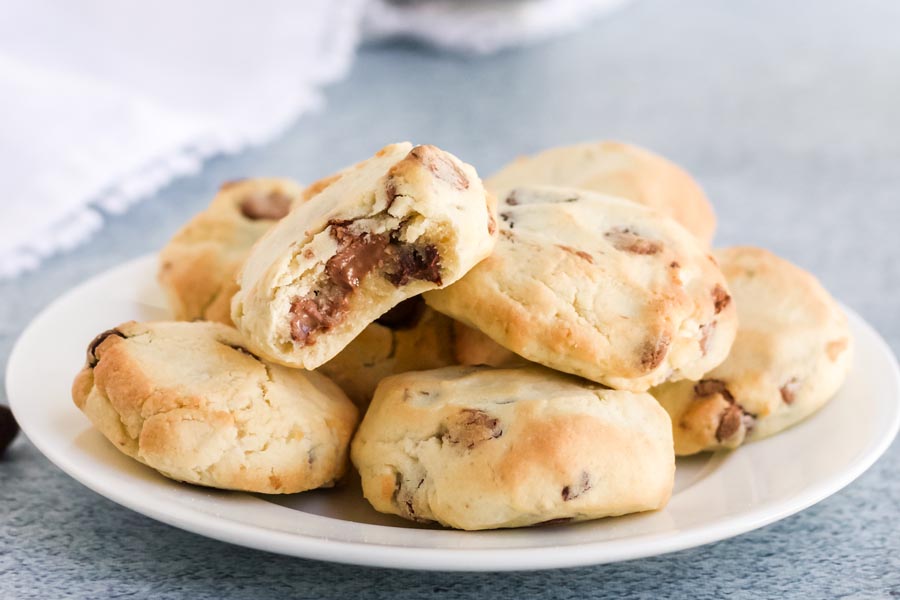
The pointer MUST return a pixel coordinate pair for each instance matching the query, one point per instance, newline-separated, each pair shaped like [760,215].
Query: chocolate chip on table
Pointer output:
[8,428]
[627,240]
[271,206]
[405,315]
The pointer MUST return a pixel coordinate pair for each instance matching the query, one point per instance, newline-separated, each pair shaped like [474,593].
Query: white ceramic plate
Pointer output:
[716,496]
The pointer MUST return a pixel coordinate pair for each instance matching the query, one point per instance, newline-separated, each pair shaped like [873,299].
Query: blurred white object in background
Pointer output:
[103,101]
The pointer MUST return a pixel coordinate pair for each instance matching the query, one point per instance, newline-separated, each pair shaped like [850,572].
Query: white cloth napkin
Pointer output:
[104,101]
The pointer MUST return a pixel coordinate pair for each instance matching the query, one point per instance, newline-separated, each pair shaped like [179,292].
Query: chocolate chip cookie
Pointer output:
[197,267]
[792,353]
[189,400]
[599,287]
[408,220]
[616,169]
[480,448]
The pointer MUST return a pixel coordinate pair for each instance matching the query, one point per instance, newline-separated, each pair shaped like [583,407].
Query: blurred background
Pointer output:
[120,120]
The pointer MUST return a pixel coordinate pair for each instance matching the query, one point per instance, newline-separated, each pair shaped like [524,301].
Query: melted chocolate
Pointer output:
[358,254]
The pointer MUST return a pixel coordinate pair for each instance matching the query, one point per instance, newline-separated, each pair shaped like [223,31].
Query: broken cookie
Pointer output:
[408,220]
[189,400]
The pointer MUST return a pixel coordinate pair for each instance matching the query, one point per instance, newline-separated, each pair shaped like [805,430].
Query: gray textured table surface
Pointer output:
[787,112]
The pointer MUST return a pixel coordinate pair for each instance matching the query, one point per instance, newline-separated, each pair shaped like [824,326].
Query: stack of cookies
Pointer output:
[535,348]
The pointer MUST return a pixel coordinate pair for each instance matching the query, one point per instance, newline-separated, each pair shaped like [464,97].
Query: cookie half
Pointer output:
[792,353]
[616,169]
[597,286]
[197,268]
[189,400]
[403,222]
[480,448]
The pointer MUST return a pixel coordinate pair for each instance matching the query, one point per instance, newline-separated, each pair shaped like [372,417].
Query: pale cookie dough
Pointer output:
[616,169]
[792,353]
[480,448]
[189,400]
[197,267]
[408,220]
[597,286]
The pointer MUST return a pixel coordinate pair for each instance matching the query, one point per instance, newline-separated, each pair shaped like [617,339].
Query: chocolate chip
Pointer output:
[508,219]
[674,265]
[312,315]
[92,359]
[570,492]
[405,315]
[358,254]
[654,352]
[627,240]
[789,391]
[415,262]
[441,166]
[271,206]
[355,258]
[470,427]
[511,199]
[708,387]
[8,428]
[403,499]
[579,253]
[721,298]
[729,422]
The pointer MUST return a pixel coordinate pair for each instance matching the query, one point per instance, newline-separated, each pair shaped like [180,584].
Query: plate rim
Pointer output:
[374,554]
